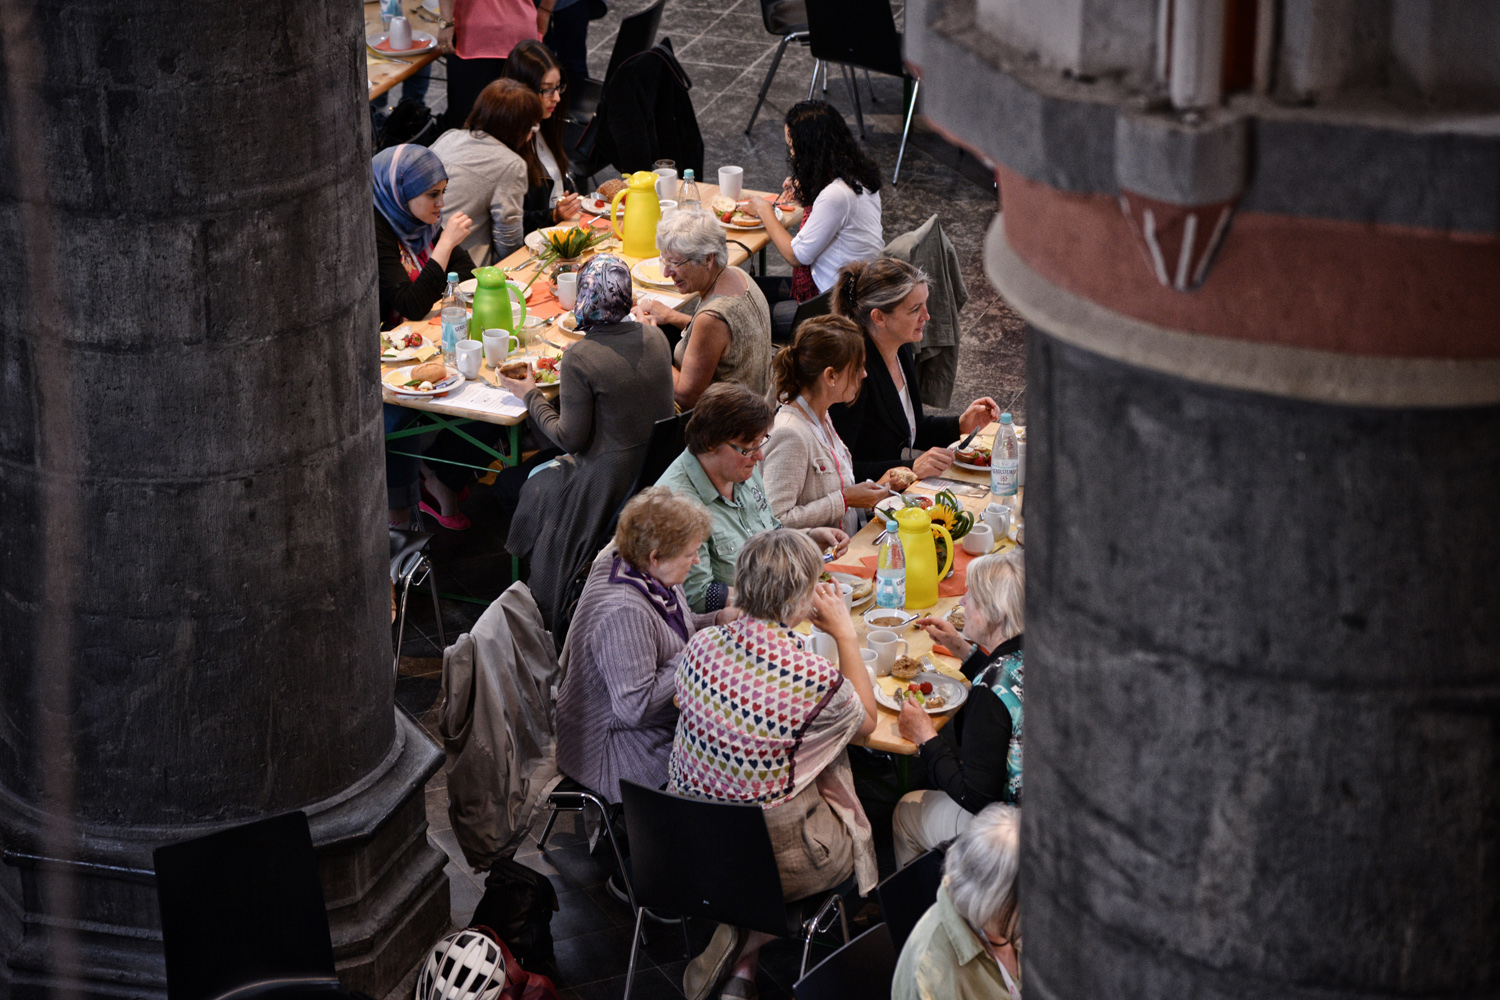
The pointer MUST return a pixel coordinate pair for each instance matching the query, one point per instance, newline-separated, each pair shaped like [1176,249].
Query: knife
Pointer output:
[972,434]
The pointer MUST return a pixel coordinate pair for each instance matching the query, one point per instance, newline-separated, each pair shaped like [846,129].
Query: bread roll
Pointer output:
[900,478]
[722,204]
[515,369]
[432,371]
[609,189]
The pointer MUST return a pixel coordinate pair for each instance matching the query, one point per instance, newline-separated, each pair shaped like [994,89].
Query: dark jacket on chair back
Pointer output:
[874,425]
[646,114]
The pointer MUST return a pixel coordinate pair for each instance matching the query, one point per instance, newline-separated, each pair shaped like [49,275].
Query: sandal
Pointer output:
[704,972]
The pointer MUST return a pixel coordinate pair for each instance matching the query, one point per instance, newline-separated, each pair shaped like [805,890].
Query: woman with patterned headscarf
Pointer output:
[414,250]
[616,383]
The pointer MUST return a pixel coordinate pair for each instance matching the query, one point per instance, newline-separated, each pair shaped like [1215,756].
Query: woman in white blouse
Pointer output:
[809,474]
[839,185]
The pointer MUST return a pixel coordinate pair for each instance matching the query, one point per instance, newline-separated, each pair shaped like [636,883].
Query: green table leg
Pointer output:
[903,774]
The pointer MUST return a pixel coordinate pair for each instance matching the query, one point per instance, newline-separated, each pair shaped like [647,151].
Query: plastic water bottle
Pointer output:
[455,319]
[890,569]
[1005,462]
[388,10]
[688,196]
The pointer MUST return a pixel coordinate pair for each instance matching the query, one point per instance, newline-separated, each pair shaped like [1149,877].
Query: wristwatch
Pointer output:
[444,24]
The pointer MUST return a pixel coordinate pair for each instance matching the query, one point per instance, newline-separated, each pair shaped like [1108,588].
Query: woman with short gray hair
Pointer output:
[766,720]
[976,759]
[968,944]
[728,339]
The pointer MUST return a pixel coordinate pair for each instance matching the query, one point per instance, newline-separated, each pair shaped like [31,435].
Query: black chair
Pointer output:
[409,557]
[637,34]
[696,858]
[570,796]
[861,969]
[860,33]
[242,913]
[909,893]
[668,438]
[787,18]
[818,305]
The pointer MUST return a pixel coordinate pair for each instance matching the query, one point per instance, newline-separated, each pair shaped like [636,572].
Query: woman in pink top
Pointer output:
[477,36]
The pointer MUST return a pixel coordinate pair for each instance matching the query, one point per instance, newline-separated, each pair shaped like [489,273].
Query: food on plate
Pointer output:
[905,668]
[899,479]
[432,371]
[956,618]
[651,273]
[516,369]
[546,369]
[738,217]
[863,589]
[722,204]
[921,693]
[887,622]
[403,337]
[977,455]
[610,188]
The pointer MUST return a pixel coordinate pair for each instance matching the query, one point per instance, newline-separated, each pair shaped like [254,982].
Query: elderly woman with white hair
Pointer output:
[766,720]
[976,759]
[967,946]
[728,338]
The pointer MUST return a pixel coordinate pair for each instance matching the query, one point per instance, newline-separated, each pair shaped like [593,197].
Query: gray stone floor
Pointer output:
[725,49]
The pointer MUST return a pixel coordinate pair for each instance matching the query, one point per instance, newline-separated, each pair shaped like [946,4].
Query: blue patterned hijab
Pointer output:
[401,173]
[604,294]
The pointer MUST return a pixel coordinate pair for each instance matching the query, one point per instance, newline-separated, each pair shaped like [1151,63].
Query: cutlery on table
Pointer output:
[972,434]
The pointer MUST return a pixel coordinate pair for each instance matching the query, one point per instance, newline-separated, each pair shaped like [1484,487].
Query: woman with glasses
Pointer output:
[728,337]
[720,469]
[555,199]
[491,162]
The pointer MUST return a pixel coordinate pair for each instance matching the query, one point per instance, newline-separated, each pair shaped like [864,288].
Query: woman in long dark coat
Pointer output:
[616,384]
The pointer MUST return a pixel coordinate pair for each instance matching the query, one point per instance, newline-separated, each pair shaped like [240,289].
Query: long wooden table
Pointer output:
[383,70]
[886,736]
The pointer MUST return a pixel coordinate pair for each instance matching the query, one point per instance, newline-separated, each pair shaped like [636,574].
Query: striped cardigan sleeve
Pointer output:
[799,496]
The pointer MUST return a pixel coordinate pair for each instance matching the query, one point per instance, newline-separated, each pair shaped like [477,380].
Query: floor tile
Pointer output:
[601,954]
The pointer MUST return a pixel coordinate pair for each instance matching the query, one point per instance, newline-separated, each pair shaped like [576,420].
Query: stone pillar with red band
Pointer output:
[1263,461]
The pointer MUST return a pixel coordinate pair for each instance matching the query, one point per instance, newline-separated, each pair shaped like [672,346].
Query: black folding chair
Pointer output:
[860,33]
[637,34]
[411,563]
[861,969]
[788,19]
[696,858]
[818,305]
[242,913]
[909,893]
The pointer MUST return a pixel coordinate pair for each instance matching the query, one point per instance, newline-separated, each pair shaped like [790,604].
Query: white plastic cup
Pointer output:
[666,184]
[847,591]
[567,289]
[497,346]
[869,656]
[400,36]
[825,645]
[469,360]
[732,182]
[979,540]
[668,208]
[887,647]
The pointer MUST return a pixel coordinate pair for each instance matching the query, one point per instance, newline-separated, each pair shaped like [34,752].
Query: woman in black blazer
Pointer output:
[885,426]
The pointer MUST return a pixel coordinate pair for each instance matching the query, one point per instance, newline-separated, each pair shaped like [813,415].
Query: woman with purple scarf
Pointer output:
[615,717]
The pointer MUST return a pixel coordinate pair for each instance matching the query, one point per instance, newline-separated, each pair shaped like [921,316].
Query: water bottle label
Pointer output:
[890,588]
[1004,476]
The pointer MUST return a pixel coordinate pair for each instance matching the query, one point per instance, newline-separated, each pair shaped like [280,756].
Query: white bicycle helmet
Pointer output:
[462,966]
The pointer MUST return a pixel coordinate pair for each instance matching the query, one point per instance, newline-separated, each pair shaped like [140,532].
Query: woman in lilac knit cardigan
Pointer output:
[615,717]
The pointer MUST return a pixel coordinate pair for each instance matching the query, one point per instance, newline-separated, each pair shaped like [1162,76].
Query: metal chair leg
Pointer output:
[916,86]
[405,582]
[766,85]
[547,829]
[813,86]
[851,85]
[437,610]
[871,85]
[815,926]
[635,944]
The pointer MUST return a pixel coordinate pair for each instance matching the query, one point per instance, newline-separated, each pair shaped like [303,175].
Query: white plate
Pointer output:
[966,465]
[645,272]
[855,581]
[594,206]
[568,322]
[393,380]
[781,217]
[894,503]
[953,690]
[421,42]
[535,239]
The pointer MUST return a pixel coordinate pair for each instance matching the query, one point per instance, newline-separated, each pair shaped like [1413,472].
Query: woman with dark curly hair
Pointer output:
[839,185]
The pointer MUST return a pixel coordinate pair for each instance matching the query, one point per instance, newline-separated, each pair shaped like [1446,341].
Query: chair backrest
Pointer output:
[241,907]
[909,893]
[862,968]
[855,33]
[668,438]
[781,17]
[818,305]
[696,858]
[637,34]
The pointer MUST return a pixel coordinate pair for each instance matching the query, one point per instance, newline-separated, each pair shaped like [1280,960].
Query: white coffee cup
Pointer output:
[997,517]
[468,360]
[847,590]
[400,37]
[869,656]
[497,346]
[732,182]
[825,645]
[887,647]
[979,540]
[668,208]
[666,185]
[567,289]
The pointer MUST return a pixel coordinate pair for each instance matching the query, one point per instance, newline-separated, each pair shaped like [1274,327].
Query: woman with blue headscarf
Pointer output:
[415,252]
[616,383]
[414,255]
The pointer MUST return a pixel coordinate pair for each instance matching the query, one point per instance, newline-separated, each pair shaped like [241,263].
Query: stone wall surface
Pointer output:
[193,595]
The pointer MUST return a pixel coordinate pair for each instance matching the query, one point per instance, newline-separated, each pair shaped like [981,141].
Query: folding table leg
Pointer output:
[916,86]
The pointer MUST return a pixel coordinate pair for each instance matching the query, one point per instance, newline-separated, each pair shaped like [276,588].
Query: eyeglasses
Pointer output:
[669,264]
[747,452]
[559,90]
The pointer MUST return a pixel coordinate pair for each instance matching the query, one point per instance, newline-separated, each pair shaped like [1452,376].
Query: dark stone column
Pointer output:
[193,598]
[1262,745]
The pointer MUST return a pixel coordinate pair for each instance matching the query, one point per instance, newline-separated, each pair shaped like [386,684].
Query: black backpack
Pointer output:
[518,904]
[409,121]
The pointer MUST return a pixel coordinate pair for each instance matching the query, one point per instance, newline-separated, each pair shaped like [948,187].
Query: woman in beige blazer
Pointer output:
[809,475]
